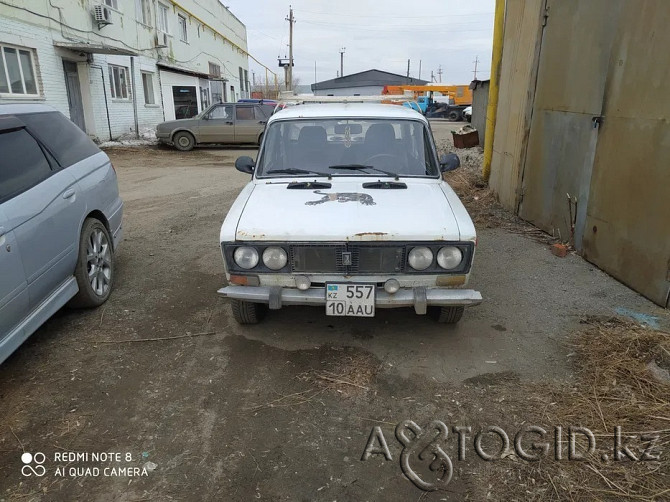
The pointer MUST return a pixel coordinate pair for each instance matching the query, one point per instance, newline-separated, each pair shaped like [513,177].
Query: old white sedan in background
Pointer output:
[346,208]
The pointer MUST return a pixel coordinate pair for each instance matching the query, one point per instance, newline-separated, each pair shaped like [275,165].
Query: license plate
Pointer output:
[357,300]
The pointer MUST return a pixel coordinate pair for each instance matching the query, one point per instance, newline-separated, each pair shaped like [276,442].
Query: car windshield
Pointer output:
[347,147]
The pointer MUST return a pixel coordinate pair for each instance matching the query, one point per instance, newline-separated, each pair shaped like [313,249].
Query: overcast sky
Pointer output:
[381,35]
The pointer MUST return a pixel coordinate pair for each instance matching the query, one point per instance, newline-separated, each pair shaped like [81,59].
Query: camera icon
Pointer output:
[38,469]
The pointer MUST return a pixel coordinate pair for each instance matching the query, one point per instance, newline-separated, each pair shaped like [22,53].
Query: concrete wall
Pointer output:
[480,100]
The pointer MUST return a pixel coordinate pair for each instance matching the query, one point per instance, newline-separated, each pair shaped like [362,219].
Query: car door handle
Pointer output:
[68,193]
[230,122]
[262,121]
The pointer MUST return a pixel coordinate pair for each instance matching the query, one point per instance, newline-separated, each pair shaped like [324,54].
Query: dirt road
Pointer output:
[283,410]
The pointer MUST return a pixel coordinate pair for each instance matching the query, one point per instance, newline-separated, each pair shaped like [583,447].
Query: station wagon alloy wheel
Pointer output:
[99,262]
[95,267]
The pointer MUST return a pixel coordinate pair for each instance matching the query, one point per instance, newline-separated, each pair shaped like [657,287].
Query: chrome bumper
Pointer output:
[419,298]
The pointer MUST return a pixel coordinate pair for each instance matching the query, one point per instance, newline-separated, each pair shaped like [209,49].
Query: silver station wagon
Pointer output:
[60,220]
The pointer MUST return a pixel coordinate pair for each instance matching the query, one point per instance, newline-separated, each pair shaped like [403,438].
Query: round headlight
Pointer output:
[274,258]
[246,257]
[420,258]
[449,257]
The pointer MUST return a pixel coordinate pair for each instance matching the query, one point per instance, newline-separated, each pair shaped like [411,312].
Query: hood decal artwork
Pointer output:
[363,198]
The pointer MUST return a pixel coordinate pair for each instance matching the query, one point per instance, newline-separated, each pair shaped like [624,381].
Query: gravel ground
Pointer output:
[282,410]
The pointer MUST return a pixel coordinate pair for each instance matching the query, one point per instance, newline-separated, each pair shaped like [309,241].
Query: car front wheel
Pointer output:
[248,312]
[446,315]
[95,265]
[183,141]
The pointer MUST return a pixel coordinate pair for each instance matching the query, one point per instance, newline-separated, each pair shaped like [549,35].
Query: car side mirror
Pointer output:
[449,162]
[245,164]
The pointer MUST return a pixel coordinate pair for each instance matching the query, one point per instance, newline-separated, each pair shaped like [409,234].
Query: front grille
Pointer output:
[330,258]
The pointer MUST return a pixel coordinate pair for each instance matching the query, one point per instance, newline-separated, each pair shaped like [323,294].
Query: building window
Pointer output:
[183,35]
[114,4]
[246,80]
[241,79]
[17,71]
[119,81]
[148,86]
[143,11]
[214,70]
[163,24]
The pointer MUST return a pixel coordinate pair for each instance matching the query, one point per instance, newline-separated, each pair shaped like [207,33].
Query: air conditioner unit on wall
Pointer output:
[161,39]
[102,15]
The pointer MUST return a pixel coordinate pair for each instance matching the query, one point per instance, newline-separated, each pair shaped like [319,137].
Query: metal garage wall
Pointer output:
[572,72]
[628,218]
[521,47]
[480,100]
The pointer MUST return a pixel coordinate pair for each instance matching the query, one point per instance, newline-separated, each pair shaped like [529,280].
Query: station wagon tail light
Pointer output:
[420,258]
[449,257]
[246,257]
[275,258]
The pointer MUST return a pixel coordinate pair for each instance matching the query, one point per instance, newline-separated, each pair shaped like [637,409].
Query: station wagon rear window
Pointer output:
[347,147]
[65,141]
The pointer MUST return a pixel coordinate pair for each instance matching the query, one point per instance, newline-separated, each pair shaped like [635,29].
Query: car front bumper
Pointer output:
[418,297]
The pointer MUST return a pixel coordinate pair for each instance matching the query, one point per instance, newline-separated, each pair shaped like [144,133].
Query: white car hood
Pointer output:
[348,212]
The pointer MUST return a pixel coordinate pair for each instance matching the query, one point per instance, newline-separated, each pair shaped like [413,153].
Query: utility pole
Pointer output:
[476,61]
[439,72]
[408,68]
[289,77]
[432,76]
[419,69]
[253,78]
[342,61]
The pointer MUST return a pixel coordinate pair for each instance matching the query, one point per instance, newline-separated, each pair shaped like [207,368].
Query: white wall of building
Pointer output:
[213,36]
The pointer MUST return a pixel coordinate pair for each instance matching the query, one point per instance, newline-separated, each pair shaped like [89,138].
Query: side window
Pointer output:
[259,114]
[63,139]
[221,112]
[244,113]
[22,163]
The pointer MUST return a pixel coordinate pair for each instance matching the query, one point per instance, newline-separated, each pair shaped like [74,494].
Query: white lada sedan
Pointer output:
[346,208]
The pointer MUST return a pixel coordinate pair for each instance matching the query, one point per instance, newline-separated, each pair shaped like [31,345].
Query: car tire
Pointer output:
[248,312]
[260,139]
[183,141]
[95,267]
[446,315]
[454,115]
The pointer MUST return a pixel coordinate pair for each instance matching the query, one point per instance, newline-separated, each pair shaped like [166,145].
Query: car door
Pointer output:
[13,287]
[45,217]
[249,123]
[217,125]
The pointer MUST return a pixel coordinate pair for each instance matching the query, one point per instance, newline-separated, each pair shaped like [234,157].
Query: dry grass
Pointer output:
[483,207]
[614,387]
[352,374]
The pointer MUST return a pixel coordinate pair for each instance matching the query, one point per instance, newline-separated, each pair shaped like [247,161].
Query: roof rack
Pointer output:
[385,98]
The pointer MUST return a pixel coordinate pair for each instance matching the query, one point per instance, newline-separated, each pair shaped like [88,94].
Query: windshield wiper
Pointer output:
[293,170]
[360,167]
